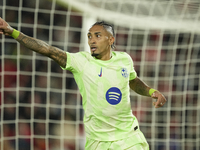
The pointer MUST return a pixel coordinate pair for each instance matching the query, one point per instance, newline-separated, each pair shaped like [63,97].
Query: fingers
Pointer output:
[5,28]
[157,105]
[1,31]
[161,100]
[1,25]
[1,21]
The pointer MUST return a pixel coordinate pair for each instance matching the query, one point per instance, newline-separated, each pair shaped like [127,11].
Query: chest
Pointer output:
[111,73]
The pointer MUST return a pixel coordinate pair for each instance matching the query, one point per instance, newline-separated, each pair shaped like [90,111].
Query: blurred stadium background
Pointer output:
[40,103]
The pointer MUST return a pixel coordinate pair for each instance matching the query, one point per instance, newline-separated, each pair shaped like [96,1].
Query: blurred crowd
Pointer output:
[41,108]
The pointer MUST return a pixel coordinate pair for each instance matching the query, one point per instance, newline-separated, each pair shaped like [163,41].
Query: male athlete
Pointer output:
[104,78]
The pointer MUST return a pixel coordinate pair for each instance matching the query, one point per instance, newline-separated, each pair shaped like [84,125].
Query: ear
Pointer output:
[111,40]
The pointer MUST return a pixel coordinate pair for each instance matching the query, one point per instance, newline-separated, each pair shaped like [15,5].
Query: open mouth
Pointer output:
[93,48]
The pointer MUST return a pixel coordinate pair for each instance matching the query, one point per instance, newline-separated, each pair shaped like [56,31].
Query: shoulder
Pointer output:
[76,61]
[122,55]
[82,54]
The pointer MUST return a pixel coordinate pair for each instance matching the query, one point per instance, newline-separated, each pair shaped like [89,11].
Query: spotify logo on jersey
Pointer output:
[113,96]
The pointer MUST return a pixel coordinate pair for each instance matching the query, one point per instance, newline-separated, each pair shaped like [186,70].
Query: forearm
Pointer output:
[139,87]
[34,44]
[143,89]
[43,48]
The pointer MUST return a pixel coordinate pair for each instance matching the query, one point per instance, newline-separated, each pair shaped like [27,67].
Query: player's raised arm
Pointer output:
[36,45]
[141,88]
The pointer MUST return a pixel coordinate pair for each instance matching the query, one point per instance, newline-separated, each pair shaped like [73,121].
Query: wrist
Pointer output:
[151,91]
[15,33]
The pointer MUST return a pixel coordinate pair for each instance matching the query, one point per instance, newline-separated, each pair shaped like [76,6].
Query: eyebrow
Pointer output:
[94,33]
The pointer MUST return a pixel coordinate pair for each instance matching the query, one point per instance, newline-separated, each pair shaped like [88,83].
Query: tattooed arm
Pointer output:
[36,45]
[142,88]
[43,48]
[139,87]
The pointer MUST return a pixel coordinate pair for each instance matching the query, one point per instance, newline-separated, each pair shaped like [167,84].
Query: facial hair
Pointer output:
[94,54]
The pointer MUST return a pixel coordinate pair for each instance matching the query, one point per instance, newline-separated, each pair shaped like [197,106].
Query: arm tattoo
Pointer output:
[139,87]
[43,48]
[58,55]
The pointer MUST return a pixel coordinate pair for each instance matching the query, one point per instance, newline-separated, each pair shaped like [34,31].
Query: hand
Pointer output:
[5,28]
[160,99]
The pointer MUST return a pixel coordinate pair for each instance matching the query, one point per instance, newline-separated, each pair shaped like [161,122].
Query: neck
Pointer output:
[108,56]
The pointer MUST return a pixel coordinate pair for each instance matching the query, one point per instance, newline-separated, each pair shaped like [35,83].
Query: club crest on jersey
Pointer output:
[124,72]
[113,96]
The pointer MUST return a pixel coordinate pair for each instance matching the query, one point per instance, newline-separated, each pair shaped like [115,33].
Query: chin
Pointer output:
[94,54]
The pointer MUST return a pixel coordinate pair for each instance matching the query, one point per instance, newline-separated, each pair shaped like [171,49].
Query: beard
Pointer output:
[94,54]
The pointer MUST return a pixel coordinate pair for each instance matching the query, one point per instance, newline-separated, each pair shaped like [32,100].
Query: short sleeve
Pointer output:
[75,62]
[133,73]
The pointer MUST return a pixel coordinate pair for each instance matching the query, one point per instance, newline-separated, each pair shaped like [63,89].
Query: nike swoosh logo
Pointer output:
[100,75]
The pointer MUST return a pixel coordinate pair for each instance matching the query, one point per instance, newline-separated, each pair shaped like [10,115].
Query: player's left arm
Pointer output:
[142,88]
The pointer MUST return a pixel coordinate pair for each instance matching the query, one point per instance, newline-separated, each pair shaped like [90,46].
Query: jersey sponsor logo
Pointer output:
[113,96]
[100,74]
[124,72]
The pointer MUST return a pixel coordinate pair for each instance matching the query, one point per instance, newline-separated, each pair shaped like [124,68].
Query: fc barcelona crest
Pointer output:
[124,72]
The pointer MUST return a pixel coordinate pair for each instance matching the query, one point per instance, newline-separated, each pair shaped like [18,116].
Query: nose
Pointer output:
[92,41]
